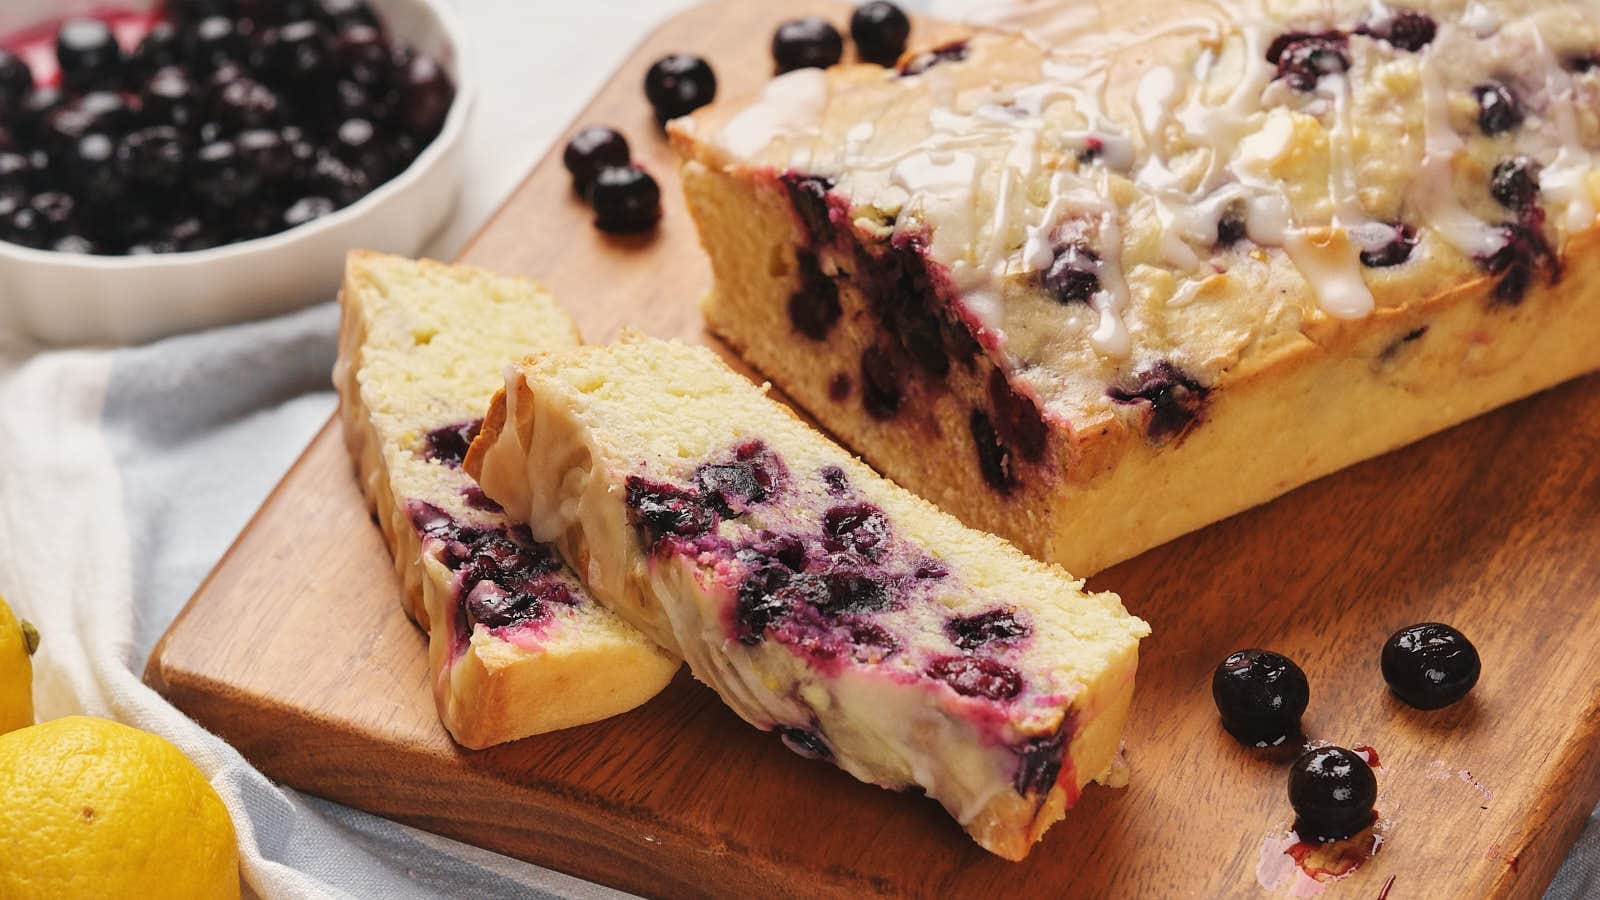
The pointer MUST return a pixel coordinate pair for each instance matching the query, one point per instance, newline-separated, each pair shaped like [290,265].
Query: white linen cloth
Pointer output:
[125,473]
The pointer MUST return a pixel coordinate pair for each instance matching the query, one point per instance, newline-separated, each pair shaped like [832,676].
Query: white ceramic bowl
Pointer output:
[62,298]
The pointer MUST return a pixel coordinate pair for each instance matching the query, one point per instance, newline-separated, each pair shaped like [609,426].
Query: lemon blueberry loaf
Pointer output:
[1101,283]
[515,645]
[819,600]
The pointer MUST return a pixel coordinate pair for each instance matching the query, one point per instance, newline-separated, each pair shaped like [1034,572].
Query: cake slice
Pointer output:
[515,644]
[1152,263]
[819,600]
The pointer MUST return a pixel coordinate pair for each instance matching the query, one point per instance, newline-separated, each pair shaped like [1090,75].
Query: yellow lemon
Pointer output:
[91,808]
[18,640]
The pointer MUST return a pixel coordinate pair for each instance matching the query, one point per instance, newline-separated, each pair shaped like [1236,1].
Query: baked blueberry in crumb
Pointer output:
[1515,183]
[805,742]
[839,387]
[1303,58]
[1393,253]
[1261,696]
[753,476]
[1524,253]
[835,480]
[1176,400]
[814,306]
[1074,274]
[922,62]
[807,43]
[1430,665]
[859,528]
[1499,110]
[1017,420]
[665,509]
[590,150]
[449,445]
[880,384]
[808,195]
[1332,791]
[1406,29]
[977,677]
[626,200]
[855,592]
[994,458]
[997,626]
[761,599]
[1231,228]
[1039,763]
[678,85]
[880,30]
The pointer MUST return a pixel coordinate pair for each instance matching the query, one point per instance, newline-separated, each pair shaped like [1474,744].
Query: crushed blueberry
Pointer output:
[1515,183]
[977,677]
[1406,29]
[665,509]
[1039,763]
[1499,110]
[1303,58]
[994,458]
[1017,419]
[1524,253]
[1396,251]
[808,194]
[1074,274]
[996,626]
[449,445]
[1176,400]
[503,574]
[805,741]
[922,62]
[814,306]
[859,528]
[880,30]
[880,384]
[807,43]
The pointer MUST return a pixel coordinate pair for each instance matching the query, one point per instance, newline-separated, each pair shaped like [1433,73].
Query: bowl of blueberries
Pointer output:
[168,165]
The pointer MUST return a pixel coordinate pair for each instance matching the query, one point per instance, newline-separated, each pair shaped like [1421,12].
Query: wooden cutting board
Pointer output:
[296,650]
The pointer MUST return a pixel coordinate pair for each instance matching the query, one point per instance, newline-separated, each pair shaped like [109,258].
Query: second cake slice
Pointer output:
[818,599]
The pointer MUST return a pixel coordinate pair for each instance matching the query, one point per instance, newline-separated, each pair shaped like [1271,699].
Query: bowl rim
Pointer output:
[450,133]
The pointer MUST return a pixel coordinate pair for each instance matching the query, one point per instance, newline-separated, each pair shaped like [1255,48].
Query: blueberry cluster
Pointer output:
[229,120]
[625,198]
[879,30]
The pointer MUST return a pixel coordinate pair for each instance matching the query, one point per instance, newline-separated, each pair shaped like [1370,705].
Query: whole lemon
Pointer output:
[91,808]
[18,640]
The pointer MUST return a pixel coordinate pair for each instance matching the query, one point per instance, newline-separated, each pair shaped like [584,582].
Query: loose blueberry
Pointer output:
[1396,251]
[362,55]
[30,120]
[1430,665]
[922,62]
[89,56]
[1261,696]
[160,47]
[91,169]
[880,30]
[449,445]
[1332,791]
[977,677]
[678,85]
[222,176]
[428,93]
[1515,183]
[589,151]
[997,626]
[16,82]
[154,157]
[74,243]
[1303,58]
[169,96]
[1498,108]
[814,306]
[805,742]
[342,14]
[215,41]
[808,43]
[626,200]
[245,103]
[101,112]
[296,50]
[266,149]
[1074,274]
[1176,400]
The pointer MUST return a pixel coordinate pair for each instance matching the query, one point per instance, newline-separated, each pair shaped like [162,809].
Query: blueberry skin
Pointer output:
[678,85]
[592,149]
[1430,665]
[880,30]
[626,200]
[1261,696]
[1332,791]
[809,43]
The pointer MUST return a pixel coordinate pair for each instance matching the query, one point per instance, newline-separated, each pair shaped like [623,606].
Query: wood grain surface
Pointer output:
[296,650]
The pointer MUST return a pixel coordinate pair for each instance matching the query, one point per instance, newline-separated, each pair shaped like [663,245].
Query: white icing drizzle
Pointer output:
[790,104]
[1434,191]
